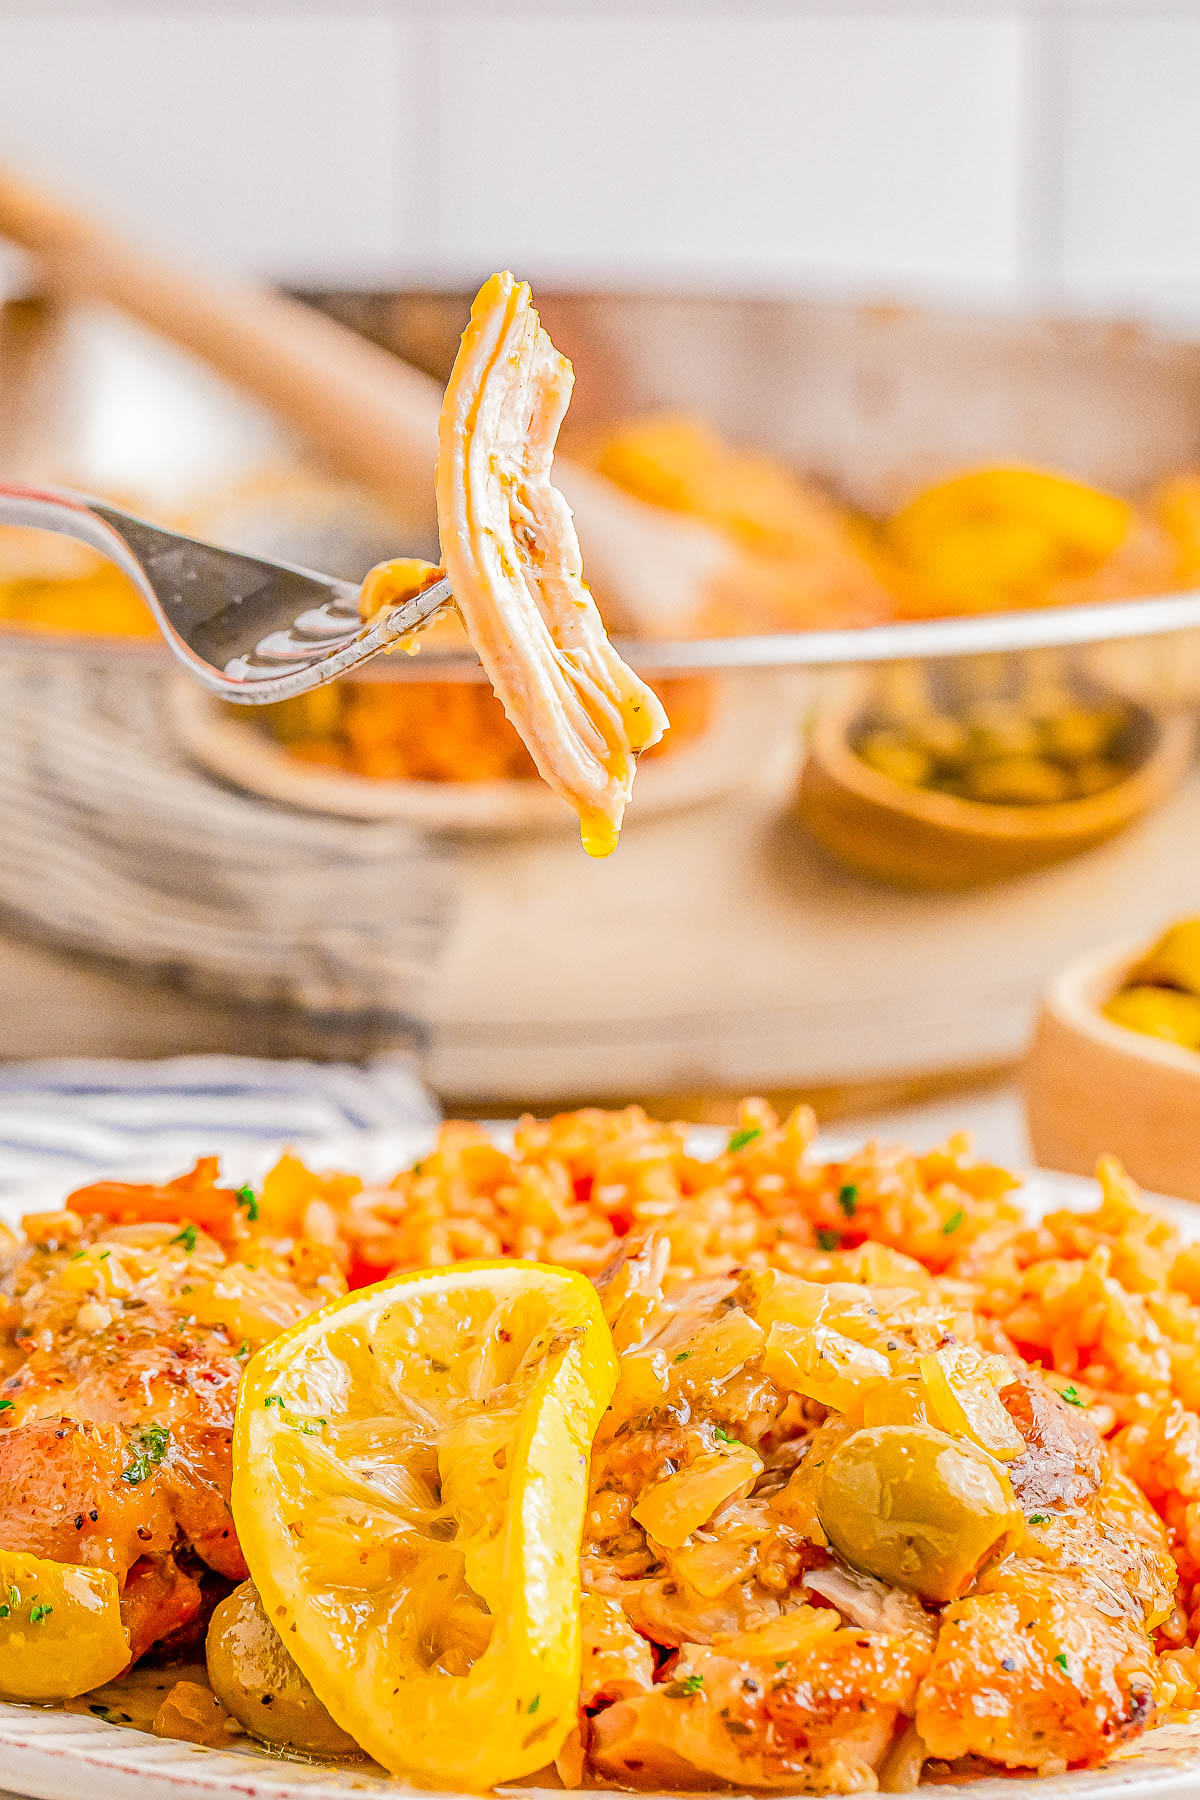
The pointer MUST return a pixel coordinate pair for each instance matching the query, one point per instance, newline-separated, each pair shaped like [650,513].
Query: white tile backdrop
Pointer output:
[1017,149]
[738,147]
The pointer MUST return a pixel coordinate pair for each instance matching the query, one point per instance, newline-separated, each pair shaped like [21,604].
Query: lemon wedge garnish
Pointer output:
[410,1471]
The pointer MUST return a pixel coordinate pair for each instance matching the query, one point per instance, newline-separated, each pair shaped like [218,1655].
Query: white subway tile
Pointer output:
[1130,229]
[884,151]
[288,144]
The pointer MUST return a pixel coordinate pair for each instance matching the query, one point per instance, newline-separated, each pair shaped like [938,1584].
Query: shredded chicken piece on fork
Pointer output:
[513,558]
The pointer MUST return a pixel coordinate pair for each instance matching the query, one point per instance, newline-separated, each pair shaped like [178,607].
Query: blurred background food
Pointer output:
[1023,743]
[55,584]
[826,376]
[989,540]
[993,539]
[435,731]
[954,774]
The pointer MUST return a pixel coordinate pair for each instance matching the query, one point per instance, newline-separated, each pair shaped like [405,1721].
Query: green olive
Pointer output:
[256,1680]
[1016,781]
[1079,732]
[999,728]
[1095,775]
[891,754]
[942,737]
[917,1508]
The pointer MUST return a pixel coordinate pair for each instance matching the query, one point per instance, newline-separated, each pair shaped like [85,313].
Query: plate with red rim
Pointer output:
[48,1754]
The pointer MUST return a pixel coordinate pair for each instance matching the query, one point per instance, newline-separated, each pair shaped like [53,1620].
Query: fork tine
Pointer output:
[257,677]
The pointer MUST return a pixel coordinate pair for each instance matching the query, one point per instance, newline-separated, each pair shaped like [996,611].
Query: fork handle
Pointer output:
[70,515]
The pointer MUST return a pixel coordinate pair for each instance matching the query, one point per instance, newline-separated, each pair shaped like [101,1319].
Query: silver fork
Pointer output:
[250,630]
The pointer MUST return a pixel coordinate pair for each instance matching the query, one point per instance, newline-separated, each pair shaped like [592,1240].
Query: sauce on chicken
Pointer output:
[125,1323]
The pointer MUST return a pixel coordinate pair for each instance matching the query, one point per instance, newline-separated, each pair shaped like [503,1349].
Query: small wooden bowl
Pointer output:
[915,838]
[1091,1085]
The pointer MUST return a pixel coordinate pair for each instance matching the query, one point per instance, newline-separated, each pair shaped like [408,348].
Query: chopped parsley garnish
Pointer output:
[534,1704]
[723,1437]
[848,1198]
[828,1240]
[1061,1660]
[1072,1396]
[247,1197]
[153,1442]
[307,1427]
[4,1610]
[682,1357]
[5,1405]
[957,1218]
[243,1350]
[186,1237]
[38,1611]
[745,1136]
[1039,1518]
[14,1596]
[77,1255]
[682,1690]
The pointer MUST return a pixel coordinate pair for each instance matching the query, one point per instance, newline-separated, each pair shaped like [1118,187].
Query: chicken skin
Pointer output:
[786,1663]
[116,1413]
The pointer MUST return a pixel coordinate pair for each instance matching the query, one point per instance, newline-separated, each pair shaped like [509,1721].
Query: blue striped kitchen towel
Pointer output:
[64,1122]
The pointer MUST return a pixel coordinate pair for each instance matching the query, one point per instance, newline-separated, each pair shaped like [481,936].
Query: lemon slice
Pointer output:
[410,1471]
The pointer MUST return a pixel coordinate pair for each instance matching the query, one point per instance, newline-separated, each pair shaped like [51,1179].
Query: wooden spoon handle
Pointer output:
[370,413]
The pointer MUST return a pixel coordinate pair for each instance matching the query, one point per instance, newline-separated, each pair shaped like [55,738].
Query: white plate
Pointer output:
[52,1755]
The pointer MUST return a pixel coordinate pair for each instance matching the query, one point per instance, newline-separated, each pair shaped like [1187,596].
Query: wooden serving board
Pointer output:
[718,952]
[721,951]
